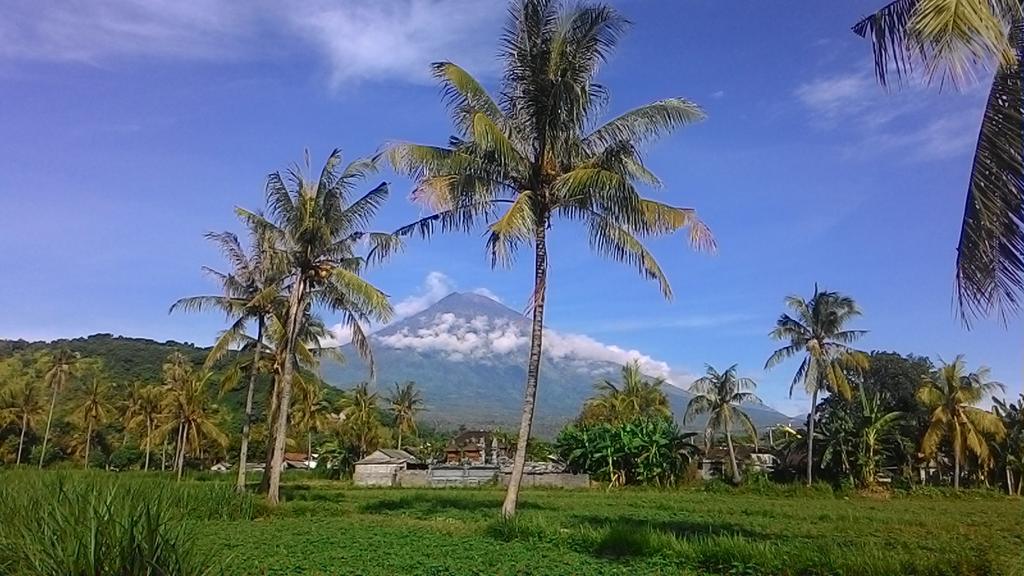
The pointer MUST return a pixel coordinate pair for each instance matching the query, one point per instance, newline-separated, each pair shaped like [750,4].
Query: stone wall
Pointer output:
[413,478]
[376,474]
[559,480]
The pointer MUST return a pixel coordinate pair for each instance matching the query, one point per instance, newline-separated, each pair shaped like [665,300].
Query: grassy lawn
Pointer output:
[329,528]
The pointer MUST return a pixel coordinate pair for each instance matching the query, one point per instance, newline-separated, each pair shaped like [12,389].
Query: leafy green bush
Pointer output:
[70,524]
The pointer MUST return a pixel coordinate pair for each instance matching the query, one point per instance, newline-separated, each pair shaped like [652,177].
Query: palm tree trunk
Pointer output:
[276,463]
[732,457]
[243,451]
[88,443]
[49,419]
[177,448]
[1009,481]
[181,452]
[163,455]
[21,440]
[309,447]
[810,437]
[399,437]
[956,465]
[508,508]
[271,418]
[149,440]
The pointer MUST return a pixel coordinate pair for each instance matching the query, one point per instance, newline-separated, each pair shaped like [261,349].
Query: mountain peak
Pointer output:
[463,305]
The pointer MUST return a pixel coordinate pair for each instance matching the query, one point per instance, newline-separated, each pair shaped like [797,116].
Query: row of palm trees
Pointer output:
[537,154]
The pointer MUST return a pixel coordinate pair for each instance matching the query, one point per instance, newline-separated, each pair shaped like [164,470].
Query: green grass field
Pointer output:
[51,520]
[325,528]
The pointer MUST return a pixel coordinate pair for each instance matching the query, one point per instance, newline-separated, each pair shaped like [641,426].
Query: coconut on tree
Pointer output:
[537,154]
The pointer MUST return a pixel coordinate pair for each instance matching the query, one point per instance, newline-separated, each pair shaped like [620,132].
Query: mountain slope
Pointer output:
[467,354]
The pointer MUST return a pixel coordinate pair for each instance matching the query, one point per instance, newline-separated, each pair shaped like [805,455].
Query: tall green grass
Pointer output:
[78,524]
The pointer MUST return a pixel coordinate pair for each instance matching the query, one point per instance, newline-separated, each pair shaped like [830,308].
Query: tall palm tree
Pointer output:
[130,407]
[316,228]
[57,377]
[405,402]
[951,394]
[25,401]
[537,154]
[720,395]
[634,397]
[251,291]
[149,409]
[819,334]
[956,41]
[93,409]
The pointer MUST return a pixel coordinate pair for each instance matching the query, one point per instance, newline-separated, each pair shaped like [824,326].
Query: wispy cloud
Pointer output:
[358,40]
[919,122]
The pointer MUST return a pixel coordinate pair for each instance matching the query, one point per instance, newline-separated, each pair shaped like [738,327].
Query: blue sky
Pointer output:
[127,129]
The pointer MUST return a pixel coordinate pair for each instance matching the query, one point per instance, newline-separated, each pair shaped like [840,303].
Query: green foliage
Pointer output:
[57,524]
[645,451]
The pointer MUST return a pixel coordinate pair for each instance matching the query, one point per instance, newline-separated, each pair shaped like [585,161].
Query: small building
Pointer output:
[716,463]
[299,461]
[473,448]
[382,467]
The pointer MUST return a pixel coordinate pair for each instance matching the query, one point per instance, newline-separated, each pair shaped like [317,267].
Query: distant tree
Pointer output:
[93,409]
[24,402]
[951,394]
[955,41]
[148,410]
[633,397]
[251,293]
[1012,447]
[876,426]
[819,334]
[310,410]
[62,369]
[405,403]
[186,404]
[316,228]
[720,395]
[533,156]
[360,416]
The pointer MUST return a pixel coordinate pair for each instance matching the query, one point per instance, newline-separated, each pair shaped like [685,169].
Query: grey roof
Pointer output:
[389,456]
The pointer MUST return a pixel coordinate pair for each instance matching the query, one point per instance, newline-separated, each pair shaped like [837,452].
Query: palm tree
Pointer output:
[309,411]
[251,291]
[361,417]
[148,410]
[720,395]
[406,402]
[25,402]
[94,409]
[1012,447]
[637,396]
[130,407]
[818,333]
[956,40]
[57,377]
[532,156]
[951,394]
[186,403]
[316,228]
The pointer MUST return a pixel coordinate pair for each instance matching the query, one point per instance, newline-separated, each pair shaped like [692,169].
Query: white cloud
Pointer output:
[398,39]
[435,286]
[358,39]
[482,337]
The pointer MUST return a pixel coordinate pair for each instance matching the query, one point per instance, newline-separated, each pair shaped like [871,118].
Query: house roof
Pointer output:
[297,456]
[389,456]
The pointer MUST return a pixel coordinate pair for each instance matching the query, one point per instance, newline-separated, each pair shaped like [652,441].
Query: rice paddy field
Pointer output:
[332,528]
